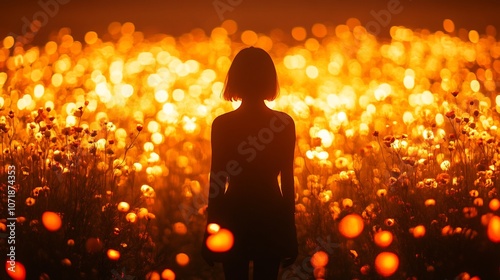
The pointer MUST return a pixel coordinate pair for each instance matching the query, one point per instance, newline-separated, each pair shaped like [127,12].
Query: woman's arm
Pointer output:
[288,189]
[218,176]
[287,177]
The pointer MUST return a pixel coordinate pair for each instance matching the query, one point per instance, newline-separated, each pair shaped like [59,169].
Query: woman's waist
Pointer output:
[253,188]
[260,178]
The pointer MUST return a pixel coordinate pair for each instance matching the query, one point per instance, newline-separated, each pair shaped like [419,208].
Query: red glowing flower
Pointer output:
[450,114]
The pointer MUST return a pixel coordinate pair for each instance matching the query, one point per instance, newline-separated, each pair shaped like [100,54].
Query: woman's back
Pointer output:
[257,142]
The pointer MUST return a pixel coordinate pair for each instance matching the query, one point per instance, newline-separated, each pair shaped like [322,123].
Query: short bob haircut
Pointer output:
[252,76]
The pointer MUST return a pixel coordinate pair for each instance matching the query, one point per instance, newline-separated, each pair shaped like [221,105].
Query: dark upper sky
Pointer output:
[177,17]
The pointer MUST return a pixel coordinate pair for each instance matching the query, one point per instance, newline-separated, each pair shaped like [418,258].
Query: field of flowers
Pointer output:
[106,151]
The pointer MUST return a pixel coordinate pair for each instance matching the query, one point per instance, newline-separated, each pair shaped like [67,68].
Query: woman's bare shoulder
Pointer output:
[284,117]
[223,119]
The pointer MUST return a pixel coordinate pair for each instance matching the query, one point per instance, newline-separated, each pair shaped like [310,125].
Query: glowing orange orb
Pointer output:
[478,201]
[494,204]
[15,270]
[66,262]
[52,221]
[494,229]
[351,226]
[383,238]
[113,255]
[180,228]
[182,259]
[221,241]
[319,259]
[131,217]
[447,230]
[153,275]
[213,228]
[347,202]
[365,269]
[430,202]
[168,274]
[485,219]
[386,263]
[419,231]
[123,206]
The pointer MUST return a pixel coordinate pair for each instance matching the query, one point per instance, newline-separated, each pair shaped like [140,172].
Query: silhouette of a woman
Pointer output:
[251,179]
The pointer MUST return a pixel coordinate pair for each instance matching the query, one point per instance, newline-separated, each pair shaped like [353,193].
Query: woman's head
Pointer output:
[252,76]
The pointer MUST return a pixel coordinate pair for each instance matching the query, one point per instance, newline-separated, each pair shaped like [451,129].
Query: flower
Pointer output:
[450,114]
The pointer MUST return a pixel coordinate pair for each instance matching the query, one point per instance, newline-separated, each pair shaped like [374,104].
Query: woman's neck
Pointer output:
[253,105]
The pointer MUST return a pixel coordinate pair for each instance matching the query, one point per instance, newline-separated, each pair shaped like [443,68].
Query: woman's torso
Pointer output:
[253,142]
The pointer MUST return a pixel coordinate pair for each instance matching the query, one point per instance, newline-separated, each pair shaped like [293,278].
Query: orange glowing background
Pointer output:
[178,17]
[397,132]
